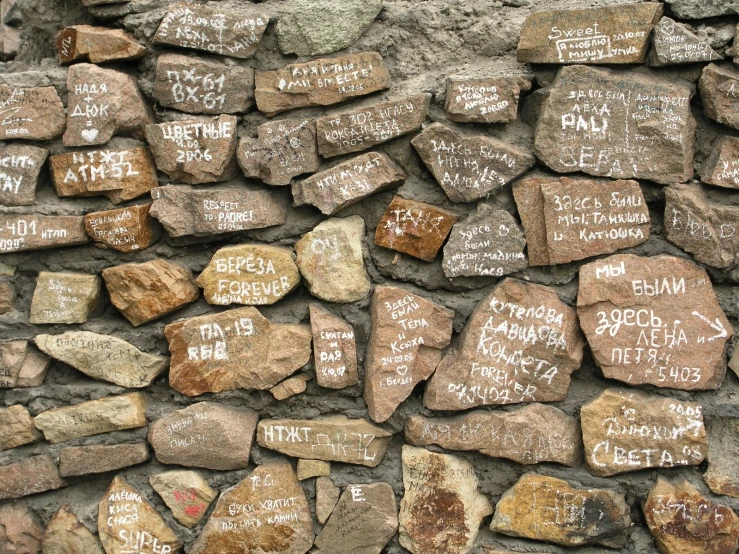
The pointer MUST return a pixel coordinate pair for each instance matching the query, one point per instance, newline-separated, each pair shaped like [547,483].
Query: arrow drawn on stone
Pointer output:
[716,325]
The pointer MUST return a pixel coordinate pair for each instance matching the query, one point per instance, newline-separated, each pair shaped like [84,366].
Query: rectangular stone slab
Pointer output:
[38,232]
[29,476]
[484,100]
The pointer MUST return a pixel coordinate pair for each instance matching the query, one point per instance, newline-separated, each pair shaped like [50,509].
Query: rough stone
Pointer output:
[21,366]
[521,344]
[533,434]
[439,488]
[113,413]
[721,168]
[119,532]
[292,386]
[102,103]
[408,334]
[186,493]
[561,514]
[16,428]
[38,113]
[368,126]
[683,521]
[251,274]
[364,520]
[284,149]
[65,298]
[653,321]
[125,229]
[330,260]
[307,469]
[98,458]
[320,82]
[20,166]
[613,34]
[196,85]
[7,298]
[349,182]
[334,349]
[484,99]
[30,475]
[149,290]
[722,476]
[673,43]
[39,232]
[195,151]
[700,9]
[205,435]
[33,369]
[488,243]
[572,219]
[237,348]
[671,432]
[333,438]
[97,45]
[469,167]
[20,532]
[65,534]
[718,85]
[229,32]
[273,527]
[313,28]
[620,136]
[327,495]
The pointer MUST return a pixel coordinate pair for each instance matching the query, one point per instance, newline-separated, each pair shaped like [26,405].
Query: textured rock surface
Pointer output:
[38,232]
[334,349]
[307,469]
[291,386]
[31,475]
[721,168]
[673,43]
[125,229]
[20,166]
[19,529]
[327,495]
[65,297]
[21,366]
[718,85]
[722,476]
[83,460]
[186,493]
[16,428]
[484,99]
[97,45]
[38,113]
[66,535]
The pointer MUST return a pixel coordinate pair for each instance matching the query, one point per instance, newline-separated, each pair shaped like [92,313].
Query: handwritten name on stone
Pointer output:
[483,100]
[653,321]
[334,349]
[37,232]
[125,229]
[65,298]
[721,168]
[719,90]
[34,113]
[673,43]
[97,45]
[19,170]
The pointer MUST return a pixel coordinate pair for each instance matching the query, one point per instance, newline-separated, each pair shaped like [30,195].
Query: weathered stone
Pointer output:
[20,532]
[307,469]
[722,476]
[98,458]
[312,28]
[408,334]
[229,32]
[285,149]
[280,522]
[184,210]
[719,86]
[641,127]
[364,520]
[673,43]
[572,219]
[66,535]
[249,274]
[97,45]
[291,386]
[439,488]
[734,362]
[7,297]
[21,366]
[38,232]
[320,82]
[16,428]
[469,167]
[548,509]
[195,151]
[483,100]
[683,521]
[488,243]
[186,493]
[349,182]
[520,344]
[125,229]
[90,3]
[102,103]
[721,168]
[19,170]
[327,495]
[38,113]
[118,174]
[653,321]
[670,433]
[120,531]
[29,476]
[65,297]
[114,413]
[195,85]
[149,290]
[334,349]
[331,438]
[34,368]
[234,349]
[330,259]
[700,9]
[368,126]
[533,434]
[613,35]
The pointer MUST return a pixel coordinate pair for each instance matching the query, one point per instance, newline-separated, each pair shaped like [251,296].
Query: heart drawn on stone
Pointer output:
[89,134]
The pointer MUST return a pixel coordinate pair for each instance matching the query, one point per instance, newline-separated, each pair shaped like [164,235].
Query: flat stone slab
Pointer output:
[653,321]
[65,298]
[97,45]
[334,349]
[99,458]
[29,476]
[327,496]
[37,113]
[721,168]
[20,166]
[719,90]
[186,493]
[307,469]
[66,534]
[125,229]
[39,232]
[673,43]
[484,99]
[16,428]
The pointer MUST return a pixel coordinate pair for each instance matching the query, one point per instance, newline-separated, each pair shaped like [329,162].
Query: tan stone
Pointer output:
[331,438]
[186,493]
[113,413]
[408,334]
[29,476]
[21,365]
[34,368]
[125,229]
[39,232]
[673,43]
[484,99]
[20,532]
[721,168]
[722,476]
[320,82]
[7,297]
[717,85]
[16,428]
[307,469]
[653,321]
[65,298]
[291,386]
[66,535]
[327,495]
[530,435]
[38,113]
[149,290]
[439,488]
[98,458]
[20,166]
[349,182]
[234,349]
[97,45]
[334,349]
[521,344]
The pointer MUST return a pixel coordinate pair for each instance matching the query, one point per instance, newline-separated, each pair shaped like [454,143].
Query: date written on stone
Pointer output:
[34,113]
[37,232]
[483,100]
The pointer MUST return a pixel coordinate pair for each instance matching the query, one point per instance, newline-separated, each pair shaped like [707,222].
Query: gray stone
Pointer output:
[673,43]
[700,9]
[484,99]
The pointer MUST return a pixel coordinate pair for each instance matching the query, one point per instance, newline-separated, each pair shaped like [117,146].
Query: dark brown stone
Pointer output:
[37,113]
[84,460]
[485,99]
[19,170]
[38,232]
[125,229]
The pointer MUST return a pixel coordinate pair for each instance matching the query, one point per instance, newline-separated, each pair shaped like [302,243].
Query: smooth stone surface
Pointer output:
[97,45]
[186,493]
[327,495]
[126,229]
[673,43]
[719,90]
[65,534]
[20,531]
[722,476]
[20,166]
[84,460]
[65,298]
[39,232]
[334,349]
[483,99]
[30,475]
[16,428]
[721,168]
[292,386]
[38,113]
[307,469]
